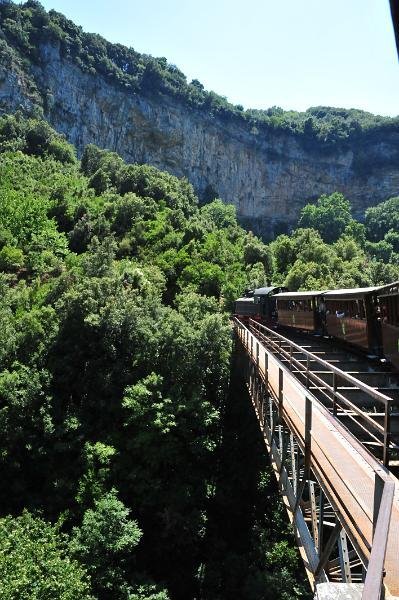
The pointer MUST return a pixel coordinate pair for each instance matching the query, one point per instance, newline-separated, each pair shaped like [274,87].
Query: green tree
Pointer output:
[381,219]
[35,562]
[97,459]
[11,259]
[283,249]
[392,238]
[330,216]
[104,544]
[255,251]
[309,276]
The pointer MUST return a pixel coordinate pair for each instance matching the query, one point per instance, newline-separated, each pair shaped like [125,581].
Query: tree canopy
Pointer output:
[36,564]
[115,350]
[118,417]
[330,216]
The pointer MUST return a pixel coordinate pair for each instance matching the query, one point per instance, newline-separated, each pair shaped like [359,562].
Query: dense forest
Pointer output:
[25,28]
[121,446]
[131,463]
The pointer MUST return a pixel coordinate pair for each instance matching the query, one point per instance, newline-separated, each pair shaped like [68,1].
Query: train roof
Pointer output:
[299,294]
[264,291]
[389,289]
[351,292]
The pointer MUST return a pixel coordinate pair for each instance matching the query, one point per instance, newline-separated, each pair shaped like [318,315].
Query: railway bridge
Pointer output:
[334,463]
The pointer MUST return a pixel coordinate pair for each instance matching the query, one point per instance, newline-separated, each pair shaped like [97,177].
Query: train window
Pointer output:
[390,310]
[353,309]
[281,304]
[297,305]
[362,309]
[384,311]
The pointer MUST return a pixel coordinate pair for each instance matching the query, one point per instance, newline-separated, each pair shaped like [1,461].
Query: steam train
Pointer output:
[366,318]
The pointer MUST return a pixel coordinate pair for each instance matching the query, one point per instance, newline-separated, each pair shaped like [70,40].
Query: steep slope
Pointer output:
[115,357]
[266,163]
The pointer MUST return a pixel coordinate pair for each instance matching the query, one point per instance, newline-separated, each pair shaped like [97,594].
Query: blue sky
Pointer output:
[261,53]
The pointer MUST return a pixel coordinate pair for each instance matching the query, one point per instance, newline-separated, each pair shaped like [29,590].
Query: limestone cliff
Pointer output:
[267,176]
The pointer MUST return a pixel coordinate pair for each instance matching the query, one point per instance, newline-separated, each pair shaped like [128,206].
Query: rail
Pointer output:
[377,433]
[363,507]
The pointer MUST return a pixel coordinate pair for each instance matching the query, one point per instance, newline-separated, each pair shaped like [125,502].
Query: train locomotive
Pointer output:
[259,305]
[365,318]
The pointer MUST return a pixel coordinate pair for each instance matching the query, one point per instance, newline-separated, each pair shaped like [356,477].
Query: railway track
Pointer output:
[362,392]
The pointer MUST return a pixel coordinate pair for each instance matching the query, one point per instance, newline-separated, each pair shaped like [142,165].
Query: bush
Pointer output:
[11,258]
[35,137]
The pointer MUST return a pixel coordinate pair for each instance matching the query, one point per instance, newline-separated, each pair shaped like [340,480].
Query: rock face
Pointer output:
[268,177]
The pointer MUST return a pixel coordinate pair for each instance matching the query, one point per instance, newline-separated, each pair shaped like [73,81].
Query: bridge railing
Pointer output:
[383,499]
[375,432]
[370,536]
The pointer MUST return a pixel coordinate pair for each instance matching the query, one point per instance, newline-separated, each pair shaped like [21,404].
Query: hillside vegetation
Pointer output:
[330,249]
[130,468]
[25,28]
[115,347]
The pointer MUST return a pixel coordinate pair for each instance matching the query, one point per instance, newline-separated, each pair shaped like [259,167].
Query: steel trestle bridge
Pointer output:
[342,501]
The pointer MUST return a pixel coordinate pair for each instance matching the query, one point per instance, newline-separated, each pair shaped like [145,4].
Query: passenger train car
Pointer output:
[352,315]
[299,310]
[366,318]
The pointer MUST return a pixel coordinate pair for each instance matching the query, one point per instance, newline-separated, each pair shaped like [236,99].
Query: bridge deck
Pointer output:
[338,460]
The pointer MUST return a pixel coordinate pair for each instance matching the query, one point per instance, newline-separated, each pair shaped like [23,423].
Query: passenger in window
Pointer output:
[384,314]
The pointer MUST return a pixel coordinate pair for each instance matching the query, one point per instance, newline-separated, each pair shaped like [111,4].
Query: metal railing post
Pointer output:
[383,508]
[280,394]
[387,433]
[334,394]
[378,492]
[271,418]
[308,448]
[261,404]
